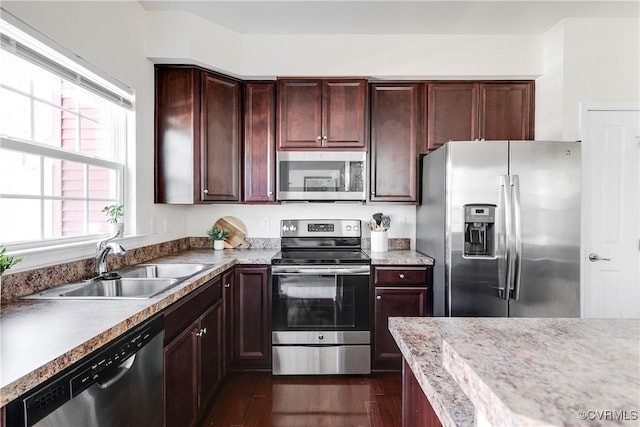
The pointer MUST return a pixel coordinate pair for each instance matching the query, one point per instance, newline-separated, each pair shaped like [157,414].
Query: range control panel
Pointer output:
[320,228]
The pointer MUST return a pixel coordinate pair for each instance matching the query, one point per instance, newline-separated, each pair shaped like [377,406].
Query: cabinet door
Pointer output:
[251,323]
[394,137]
[299,114]
[210,364]
[416,409]
[344,114]
[180,379]
[259,142]
[506,111]
[394,302]
[177,133]
[452,113]
[220,139]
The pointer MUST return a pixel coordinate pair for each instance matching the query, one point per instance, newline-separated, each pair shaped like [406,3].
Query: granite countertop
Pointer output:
[533,371]
[40,338]
[398,257]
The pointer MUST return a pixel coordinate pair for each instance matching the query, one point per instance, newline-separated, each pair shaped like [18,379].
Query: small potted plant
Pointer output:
[114,214]
[6,261]
[218,235]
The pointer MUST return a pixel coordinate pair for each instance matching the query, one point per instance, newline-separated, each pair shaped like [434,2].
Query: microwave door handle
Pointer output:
[347,176]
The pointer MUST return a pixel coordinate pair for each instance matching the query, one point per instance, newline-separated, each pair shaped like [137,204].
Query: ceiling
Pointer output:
[395,16]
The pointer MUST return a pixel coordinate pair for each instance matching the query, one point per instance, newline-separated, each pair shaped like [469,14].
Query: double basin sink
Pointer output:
[141,281]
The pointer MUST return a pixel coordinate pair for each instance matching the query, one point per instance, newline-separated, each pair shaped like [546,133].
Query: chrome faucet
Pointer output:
[102,250]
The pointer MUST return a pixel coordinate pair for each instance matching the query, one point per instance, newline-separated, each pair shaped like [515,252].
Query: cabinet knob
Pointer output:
[201,332]
[318,138]
[269,193]
[379,297]
[325,137]
[401,275]
[373,193]
[227,285]
[205,191]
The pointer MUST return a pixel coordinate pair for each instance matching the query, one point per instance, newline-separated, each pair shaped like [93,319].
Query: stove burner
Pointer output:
[320,256]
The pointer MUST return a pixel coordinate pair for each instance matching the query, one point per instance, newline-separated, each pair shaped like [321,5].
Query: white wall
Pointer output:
[585,60]
[179,37]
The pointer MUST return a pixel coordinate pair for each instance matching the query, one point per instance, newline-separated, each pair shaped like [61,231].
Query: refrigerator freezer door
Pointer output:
[549,183]
[474,178]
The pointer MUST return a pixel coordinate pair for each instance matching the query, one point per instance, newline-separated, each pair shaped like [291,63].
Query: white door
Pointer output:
[611,188]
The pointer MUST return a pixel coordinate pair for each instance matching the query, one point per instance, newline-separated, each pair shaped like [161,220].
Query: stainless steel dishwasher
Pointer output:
[119,385]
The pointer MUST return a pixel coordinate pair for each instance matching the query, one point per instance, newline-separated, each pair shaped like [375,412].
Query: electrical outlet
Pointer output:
[266,223]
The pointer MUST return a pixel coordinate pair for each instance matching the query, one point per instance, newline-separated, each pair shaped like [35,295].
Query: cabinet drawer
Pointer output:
[401,276]
[183,312]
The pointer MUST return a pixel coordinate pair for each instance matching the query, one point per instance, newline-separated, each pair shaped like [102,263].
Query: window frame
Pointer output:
[22,40]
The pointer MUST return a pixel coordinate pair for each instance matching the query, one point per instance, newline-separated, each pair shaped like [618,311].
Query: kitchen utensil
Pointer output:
[386,222]
[237,232]
[378,217]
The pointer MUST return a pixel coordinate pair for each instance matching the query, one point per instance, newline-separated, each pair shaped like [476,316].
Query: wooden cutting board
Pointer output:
[237,232]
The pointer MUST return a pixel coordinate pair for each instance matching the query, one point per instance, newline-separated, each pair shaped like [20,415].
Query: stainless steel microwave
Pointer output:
[321,175]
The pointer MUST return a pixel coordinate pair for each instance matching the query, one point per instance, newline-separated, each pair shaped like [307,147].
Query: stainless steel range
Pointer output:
[320,299]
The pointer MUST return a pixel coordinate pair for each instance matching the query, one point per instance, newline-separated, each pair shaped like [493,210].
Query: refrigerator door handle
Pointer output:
[517,227]
[504,261]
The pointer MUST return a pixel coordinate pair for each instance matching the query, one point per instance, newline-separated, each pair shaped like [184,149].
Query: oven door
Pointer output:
[320,298]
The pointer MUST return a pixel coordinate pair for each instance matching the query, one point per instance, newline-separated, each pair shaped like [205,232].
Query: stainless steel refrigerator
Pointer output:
[502,221]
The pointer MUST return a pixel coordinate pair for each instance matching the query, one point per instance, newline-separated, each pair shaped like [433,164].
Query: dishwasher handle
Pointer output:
[118,373]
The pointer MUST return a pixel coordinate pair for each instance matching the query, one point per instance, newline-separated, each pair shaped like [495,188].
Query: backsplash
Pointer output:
[27,282]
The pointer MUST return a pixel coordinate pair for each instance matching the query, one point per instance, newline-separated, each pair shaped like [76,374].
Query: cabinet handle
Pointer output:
[401,275]
[379,297]
[227,285]
[205,191]
[201,332]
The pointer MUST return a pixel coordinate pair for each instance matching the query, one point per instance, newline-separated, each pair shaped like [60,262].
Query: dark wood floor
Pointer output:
[260,399]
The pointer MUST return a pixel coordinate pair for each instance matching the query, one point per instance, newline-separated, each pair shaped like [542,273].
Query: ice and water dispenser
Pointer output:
[479,230]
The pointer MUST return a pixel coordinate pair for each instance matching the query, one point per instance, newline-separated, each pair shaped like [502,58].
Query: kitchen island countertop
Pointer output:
[520,371]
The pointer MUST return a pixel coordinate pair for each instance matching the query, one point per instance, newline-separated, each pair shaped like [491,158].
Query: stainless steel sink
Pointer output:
[140,281]
[161,270]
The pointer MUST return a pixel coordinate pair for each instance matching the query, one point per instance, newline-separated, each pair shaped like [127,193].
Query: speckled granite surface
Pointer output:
[525,371]
[39,338]
[545,371]
[398,257]
[420,341]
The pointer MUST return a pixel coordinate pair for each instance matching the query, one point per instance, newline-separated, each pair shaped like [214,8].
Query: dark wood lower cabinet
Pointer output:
[192,355]
[416,409]
[394,302]
[251,318]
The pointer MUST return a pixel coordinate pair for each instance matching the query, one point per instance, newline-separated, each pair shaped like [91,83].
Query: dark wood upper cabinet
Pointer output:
[220,141]
[452,113]
[315,114]
[197,136]
[506,110]
[395,130]
[259,142]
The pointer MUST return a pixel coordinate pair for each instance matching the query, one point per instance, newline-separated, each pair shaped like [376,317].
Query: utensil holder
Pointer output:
[379,241]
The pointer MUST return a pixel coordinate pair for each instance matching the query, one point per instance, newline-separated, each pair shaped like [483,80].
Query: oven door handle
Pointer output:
[314,271]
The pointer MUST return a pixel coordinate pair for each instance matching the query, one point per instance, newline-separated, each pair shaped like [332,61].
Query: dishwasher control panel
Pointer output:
[117,356]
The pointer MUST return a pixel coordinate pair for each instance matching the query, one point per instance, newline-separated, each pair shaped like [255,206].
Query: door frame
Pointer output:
[585,108]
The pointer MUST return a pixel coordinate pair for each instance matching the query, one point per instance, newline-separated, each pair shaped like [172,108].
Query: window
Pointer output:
[63,134]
